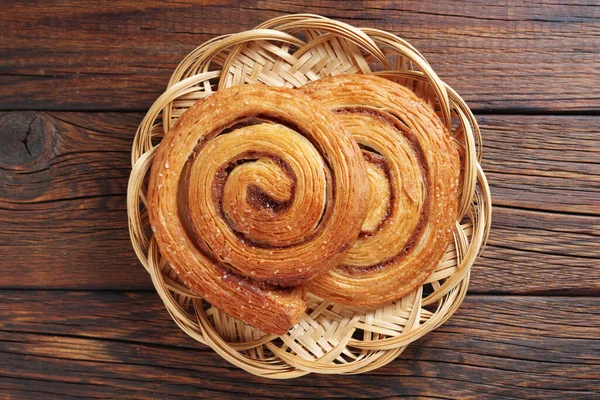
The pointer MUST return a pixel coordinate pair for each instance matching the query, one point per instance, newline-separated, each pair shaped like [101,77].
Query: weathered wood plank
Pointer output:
[532,252]
[99,344]
[63,179]
[543,162]
[63,218]
[536,55]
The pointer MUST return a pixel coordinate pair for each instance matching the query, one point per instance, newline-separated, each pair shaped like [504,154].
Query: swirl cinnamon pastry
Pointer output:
[413,170]
[255,190]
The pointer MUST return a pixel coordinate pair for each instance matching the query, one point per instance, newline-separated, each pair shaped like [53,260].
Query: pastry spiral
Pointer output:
[413,170]
[255,190]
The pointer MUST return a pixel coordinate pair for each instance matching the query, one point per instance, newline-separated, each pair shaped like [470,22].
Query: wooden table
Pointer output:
[78,314]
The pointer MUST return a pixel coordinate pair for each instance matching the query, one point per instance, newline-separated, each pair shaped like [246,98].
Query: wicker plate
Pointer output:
[330,338]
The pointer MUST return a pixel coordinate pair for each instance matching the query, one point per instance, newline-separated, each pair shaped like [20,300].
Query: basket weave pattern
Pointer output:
[330,338]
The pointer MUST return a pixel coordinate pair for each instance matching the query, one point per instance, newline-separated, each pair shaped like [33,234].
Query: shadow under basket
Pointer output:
[330,338]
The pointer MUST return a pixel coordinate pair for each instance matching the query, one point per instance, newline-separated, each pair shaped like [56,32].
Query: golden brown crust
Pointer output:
[254,190]
[413,171]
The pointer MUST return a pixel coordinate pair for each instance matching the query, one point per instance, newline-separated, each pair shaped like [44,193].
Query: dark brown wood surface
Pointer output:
[118,55]
[78,317]
[112,344]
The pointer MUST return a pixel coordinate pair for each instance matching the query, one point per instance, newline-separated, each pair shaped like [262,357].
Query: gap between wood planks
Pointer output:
[476,111]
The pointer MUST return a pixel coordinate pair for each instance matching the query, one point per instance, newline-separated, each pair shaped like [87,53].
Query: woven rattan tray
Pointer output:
[330,338]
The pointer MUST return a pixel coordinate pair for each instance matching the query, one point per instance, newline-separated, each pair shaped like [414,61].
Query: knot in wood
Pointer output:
[23,139]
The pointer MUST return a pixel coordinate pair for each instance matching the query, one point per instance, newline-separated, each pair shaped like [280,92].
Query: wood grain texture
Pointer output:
[543,162]
[529,327]
[63,218]
[68,230]
[544,174]
[534,55]
[115,344]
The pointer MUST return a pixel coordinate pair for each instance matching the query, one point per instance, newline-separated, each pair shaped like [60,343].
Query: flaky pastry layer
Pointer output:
[254,191]
[413,170]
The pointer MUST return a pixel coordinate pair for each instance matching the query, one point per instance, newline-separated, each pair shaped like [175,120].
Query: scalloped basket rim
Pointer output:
[330,339]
